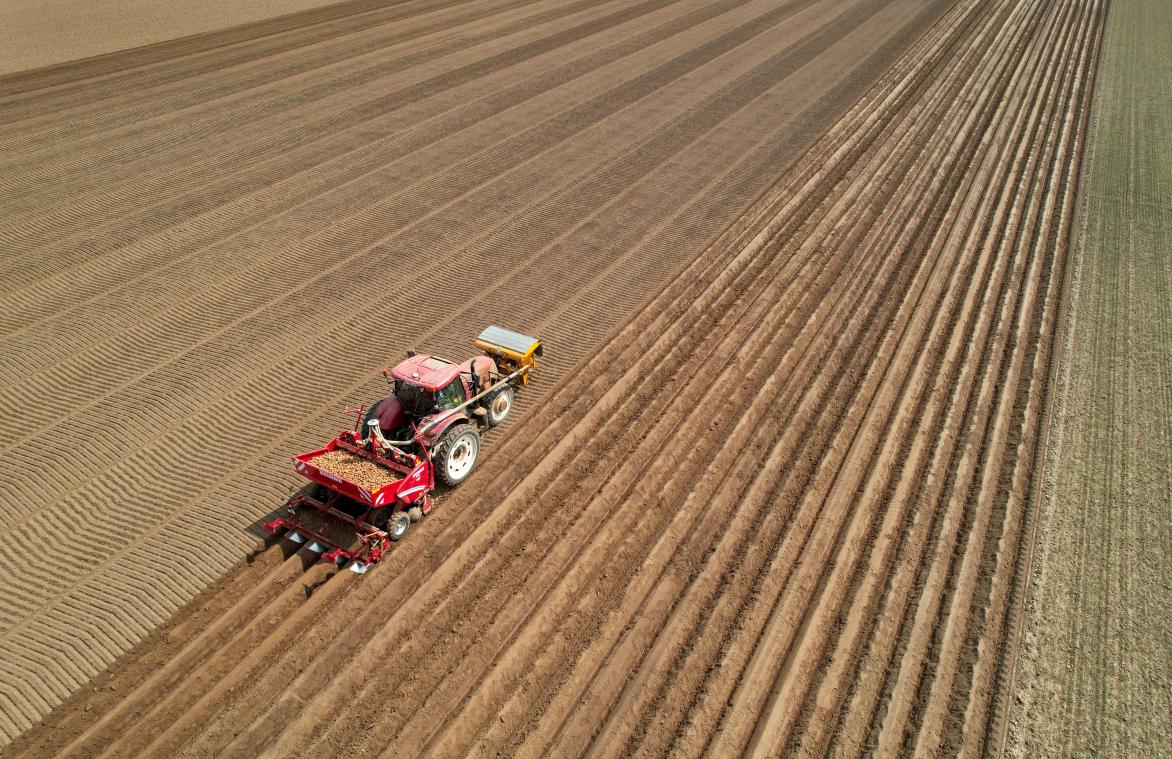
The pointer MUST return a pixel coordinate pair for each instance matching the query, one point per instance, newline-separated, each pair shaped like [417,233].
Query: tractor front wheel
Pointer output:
[499,405]
[456,453]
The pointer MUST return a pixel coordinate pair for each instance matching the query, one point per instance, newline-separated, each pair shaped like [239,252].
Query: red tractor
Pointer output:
[370,483]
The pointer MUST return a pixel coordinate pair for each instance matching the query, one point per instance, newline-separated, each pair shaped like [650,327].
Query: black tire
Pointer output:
[370,412]
[398,525]
[364,432]
[379,518]
[498,405]
[450,456]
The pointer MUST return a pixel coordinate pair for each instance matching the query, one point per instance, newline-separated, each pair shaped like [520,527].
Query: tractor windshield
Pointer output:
[415,400]
[450,396]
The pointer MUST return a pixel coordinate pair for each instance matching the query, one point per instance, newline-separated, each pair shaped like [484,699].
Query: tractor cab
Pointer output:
[438,407]
[427,384]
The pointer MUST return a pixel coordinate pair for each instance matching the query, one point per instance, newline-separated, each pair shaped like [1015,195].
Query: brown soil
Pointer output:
[357,470]
[777,510]
[223,239]
[39,33]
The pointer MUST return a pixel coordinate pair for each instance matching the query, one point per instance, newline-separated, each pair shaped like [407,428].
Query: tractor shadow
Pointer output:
[265,540]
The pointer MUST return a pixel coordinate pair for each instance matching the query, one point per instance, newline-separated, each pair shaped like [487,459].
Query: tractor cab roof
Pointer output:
[428,372]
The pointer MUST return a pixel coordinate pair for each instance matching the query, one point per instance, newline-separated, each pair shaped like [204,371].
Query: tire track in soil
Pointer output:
[351,124]
[77,79]
[240,165]
[966,472]
[155,101]
[897,585]
[828,301]
[702,636]
[1011,417]
[621,710]
[262,129]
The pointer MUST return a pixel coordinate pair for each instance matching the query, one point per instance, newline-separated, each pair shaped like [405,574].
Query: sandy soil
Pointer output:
[1096,671]
[811,546]
[222,241]
[44,32]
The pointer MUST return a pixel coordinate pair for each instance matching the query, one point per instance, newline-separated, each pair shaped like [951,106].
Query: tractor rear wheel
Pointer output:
[456,453]
[499,404]
[370,414]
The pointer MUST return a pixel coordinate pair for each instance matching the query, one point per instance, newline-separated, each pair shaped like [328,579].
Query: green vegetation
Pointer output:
[1096,672]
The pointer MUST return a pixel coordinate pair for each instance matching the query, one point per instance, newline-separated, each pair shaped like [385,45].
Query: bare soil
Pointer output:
[40,33]
[778,510]
[220,240]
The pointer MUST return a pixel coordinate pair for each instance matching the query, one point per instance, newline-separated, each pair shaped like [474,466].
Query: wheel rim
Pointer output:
[462,456]
[501,405]
[399,527]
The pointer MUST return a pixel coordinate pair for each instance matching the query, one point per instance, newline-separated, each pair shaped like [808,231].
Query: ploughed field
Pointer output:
[778,510]
[212,245]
